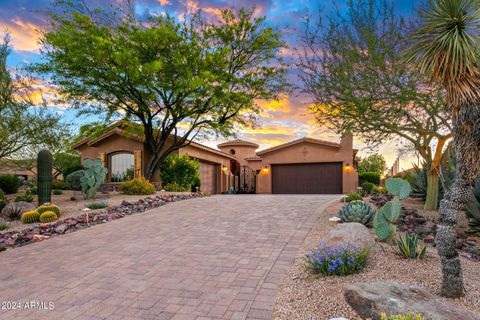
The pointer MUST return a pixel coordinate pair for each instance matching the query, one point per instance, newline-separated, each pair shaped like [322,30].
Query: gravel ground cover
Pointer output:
[307,297]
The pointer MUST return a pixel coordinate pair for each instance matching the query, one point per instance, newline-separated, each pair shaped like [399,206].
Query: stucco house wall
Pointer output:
[309,152]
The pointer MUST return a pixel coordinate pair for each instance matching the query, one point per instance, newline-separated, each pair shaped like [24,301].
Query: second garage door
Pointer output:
[307,178]
[208,177]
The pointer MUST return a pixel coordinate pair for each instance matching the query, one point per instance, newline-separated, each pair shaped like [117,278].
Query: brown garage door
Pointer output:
[208,177]
[307,178]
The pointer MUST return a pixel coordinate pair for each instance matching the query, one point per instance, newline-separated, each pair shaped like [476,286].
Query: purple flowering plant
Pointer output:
[337,260]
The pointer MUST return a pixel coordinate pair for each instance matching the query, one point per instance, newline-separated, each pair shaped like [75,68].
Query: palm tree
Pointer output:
[447,48]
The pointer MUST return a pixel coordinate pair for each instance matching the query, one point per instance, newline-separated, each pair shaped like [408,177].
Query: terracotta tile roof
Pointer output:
[304,139]
[117,129]
[238,142]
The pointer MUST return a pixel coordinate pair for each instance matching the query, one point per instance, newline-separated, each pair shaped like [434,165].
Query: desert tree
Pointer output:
[353,70]
[176,79]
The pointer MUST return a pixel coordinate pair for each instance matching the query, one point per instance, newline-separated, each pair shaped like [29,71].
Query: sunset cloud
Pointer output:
[24,35]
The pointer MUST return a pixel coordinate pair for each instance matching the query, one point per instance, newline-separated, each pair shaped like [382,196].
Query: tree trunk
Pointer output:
[433,178]
[433,183]
[466,138]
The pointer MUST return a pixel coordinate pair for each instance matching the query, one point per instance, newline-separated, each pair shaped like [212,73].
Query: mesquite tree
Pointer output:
[176,79]
[447,48]
[353,69]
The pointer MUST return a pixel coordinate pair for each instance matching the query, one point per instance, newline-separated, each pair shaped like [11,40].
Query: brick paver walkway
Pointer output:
[220,257]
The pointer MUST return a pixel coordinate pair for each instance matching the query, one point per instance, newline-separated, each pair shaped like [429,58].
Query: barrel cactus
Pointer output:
[387,216]
[48,216]
[357,211]
[94,175]
[48,207]
[30,216]
[44,176]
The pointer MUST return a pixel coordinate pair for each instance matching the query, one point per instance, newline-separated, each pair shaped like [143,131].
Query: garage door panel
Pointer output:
[208,177]
[307,178]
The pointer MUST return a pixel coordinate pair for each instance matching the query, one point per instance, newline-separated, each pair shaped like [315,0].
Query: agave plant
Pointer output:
[408,246]
[357,211]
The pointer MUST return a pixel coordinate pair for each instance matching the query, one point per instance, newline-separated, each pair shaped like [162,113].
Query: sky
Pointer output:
[280,121]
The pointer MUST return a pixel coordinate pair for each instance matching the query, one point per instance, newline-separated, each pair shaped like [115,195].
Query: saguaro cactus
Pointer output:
[44,177]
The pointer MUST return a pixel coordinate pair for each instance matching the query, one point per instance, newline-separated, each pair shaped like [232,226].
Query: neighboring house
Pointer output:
[302,166]
[9,167]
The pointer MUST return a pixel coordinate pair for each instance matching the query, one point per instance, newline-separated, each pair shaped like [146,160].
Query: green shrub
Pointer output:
[337,260]
[9,183]
[27,197]
[4,226]
[409,247]
[372,177]
[33,190]
[73,180]
[138,186]
[196,184]
[352,196]
[96,205]
[379,190]
[174,187]
[48,216]
[48,207]
[70,169]
[57,191]
[30,216]
[357,211]
[180,170]
[2,194]
[367,187]
[408,316]
[59,185]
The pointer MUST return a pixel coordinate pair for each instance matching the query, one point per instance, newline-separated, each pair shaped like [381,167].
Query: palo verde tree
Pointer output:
[354,71]
[176,79]
[446,47]
[23,124]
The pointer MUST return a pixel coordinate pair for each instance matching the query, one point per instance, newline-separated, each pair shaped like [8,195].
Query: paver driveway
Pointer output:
[220,257]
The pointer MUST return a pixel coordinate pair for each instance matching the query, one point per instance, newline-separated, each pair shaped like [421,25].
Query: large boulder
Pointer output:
[352,232]
[369,300]
[20,207]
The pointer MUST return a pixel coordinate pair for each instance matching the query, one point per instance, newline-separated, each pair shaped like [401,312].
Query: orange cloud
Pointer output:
[24,35]
[213,11]
[164,2]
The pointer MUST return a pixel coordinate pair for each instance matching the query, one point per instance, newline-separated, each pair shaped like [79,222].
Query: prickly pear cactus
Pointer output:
[357,211]
[398,187]
[94,176]
[386,219]
[44,176]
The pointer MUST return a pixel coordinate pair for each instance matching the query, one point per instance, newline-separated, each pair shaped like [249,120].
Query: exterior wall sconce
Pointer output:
[348,167]
[265,170]
[225,169]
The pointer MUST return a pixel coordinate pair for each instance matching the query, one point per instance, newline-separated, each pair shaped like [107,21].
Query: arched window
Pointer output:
[121,167]
[232,152]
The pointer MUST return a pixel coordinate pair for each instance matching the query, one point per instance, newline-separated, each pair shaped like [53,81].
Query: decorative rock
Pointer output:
[61,228]
[24,206]
[43,231]
[339,318]
[352,232]
[370,299]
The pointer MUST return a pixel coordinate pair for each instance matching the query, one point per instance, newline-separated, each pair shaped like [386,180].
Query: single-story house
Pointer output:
[305,165]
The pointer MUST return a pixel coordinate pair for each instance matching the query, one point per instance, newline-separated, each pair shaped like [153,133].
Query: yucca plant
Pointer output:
[408,246]
[446,48]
